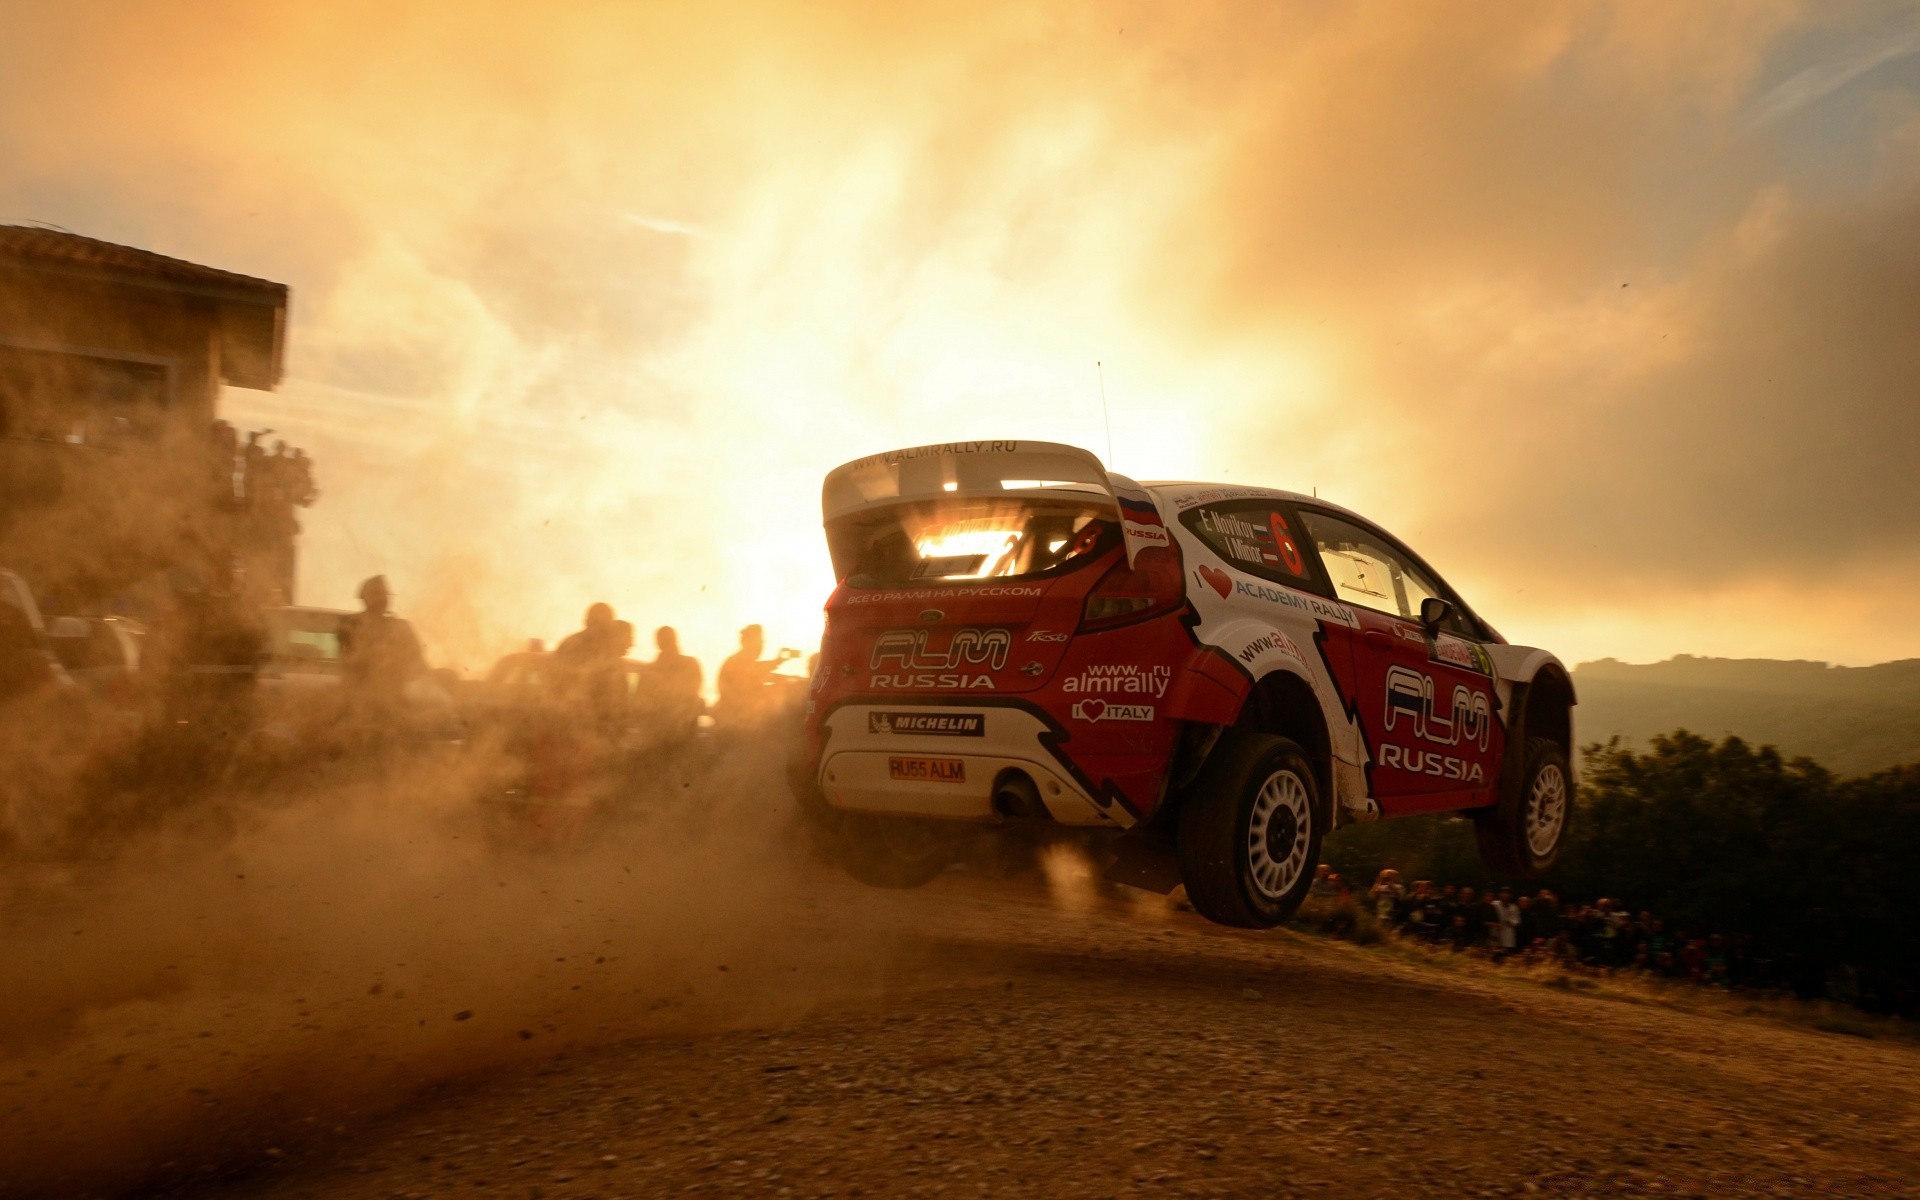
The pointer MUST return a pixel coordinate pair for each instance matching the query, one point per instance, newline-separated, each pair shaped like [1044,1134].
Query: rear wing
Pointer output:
[1034,470]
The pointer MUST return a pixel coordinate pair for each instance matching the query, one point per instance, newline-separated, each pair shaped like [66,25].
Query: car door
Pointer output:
[1425,698]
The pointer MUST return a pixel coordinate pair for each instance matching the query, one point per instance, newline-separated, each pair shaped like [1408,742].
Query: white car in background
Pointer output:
[102,653]
[301,664]
[23,618]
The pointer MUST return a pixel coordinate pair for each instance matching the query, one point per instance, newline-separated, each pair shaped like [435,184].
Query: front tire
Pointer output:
[1523,838]
[1250,832]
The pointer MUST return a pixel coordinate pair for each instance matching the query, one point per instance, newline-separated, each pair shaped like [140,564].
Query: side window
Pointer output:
[1259,537]
[1368,572]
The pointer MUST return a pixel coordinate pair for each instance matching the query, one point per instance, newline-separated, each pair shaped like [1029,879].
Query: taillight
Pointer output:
[1151,587]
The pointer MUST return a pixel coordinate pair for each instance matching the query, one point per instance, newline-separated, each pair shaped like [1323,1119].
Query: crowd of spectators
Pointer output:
[592,679]
[1542,928]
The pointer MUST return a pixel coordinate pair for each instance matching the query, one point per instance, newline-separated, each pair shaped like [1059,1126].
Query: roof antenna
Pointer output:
[1101,373]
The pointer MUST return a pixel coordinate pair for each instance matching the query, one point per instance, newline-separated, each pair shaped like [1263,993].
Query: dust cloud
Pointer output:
[312,955]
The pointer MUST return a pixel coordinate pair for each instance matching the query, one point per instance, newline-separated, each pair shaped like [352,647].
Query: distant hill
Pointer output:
[1851,720]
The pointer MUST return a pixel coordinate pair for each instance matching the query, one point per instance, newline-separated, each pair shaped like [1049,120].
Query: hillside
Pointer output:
[1853,720]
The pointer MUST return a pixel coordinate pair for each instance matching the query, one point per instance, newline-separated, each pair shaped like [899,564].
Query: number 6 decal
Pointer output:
[1289,553]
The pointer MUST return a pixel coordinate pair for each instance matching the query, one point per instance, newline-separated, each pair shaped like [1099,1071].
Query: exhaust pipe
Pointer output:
[1015,796]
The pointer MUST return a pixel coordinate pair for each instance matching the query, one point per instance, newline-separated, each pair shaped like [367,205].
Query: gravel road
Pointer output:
[1019,1045]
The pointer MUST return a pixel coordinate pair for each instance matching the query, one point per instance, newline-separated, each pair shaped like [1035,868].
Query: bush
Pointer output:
[1811,872]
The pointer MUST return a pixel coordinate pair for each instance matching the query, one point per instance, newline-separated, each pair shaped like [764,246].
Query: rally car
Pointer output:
[1224,674]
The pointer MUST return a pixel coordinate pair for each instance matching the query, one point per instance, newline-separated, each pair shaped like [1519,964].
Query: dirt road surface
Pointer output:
[1019,1045]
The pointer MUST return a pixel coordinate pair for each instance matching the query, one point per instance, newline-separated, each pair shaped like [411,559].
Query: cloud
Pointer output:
[1377,250]
[1822,79]
[662,225]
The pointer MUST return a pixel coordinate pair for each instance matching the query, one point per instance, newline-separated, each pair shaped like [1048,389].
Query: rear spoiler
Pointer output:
[1035,470]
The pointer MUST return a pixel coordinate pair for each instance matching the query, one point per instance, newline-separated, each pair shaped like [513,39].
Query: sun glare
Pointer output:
[965,550]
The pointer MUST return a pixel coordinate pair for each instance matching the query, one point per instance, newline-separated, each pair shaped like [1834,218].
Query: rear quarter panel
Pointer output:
[1258,627]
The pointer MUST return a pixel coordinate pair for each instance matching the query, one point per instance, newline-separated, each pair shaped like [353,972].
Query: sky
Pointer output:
[1611,310]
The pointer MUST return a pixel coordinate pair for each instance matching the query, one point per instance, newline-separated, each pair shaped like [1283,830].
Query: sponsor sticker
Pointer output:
[1152,535]
[1461,653]
[995,592]
[1466,718]
[971,646]
[1326,610]
[1100,710]
[946,449]
[937,450]
[1119,679]
[952,681]
[1430,762]
[928,770]
[1273,639]
[1140,522]
[929,724]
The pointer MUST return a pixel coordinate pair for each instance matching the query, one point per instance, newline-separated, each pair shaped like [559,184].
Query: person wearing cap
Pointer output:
[379,653]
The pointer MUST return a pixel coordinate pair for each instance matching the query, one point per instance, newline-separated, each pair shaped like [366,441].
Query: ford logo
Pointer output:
[931,614]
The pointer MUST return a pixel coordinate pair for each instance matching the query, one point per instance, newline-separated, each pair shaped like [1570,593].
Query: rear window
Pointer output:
[960,540]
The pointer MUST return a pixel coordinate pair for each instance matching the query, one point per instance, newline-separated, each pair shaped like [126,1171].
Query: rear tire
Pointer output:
[1523,838]
[1250,832]
[893,852]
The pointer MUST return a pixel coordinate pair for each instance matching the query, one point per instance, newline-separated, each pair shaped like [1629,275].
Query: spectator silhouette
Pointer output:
[594,640]
[675,680]
[746,679]
[378,651]
[588,662]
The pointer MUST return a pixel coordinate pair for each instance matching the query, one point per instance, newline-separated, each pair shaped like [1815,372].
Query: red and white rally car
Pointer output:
[1226,673]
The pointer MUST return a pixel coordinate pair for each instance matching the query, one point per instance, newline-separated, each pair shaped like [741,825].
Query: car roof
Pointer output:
[1242,491]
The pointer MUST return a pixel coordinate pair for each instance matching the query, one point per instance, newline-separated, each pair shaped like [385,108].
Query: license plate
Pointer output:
[928,770]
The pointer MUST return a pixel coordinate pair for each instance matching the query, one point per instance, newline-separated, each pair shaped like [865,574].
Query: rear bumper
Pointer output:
[952,755]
